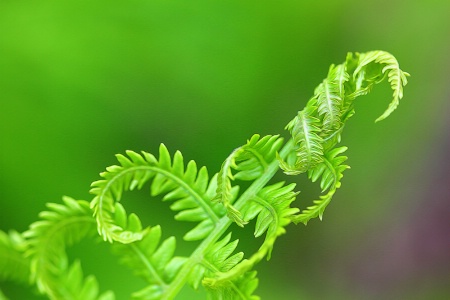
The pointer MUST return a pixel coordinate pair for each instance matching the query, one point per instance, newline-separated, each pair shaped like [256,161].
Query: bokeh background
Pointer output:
[83,80]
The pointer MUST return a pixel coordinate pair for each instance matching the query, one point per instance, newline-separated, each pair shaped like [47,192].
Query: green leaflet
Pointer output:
[318,127]
[396,77]
[213,204]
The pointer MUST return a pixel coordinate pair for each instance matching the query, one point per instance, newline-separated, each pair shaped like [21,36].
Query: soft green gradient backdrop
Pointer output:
[83,80]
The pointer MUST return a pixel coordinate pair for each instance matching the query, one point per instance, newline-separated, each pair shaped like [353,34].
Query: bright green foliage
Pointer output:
[213,204]
[189,189]
[317,128]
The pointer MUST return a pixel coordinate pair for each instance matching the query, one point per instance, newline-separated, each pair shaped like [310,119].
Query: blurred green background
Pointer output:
[83,80]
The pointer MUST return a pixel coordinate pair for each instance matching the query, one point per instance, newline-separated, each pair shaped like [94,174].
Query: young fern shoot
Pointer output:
[211,203]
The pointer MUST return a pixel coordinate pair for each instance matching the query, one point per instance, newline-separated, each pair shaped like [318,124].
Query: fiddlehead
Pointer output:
[213,204]
[188,189]
[334,98]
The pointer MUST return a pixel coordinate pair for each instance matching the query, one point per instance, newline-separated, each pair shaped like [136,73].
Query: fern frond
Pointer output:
[330,171]
[334,99]
[13,263]
[188,189]
[305,129]
[212,204]
[61,226]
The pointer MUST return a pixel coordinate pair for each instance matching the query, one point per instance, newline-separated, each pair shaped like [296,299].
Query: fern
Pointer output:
[187,188]
[396,77]
[212,204]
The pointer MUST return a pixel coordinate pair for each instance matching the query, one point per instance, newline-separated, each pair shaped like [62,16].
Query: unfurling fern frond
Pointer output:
[367,73]
[61,226]
[213,204]
[334,99]
[188,189]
